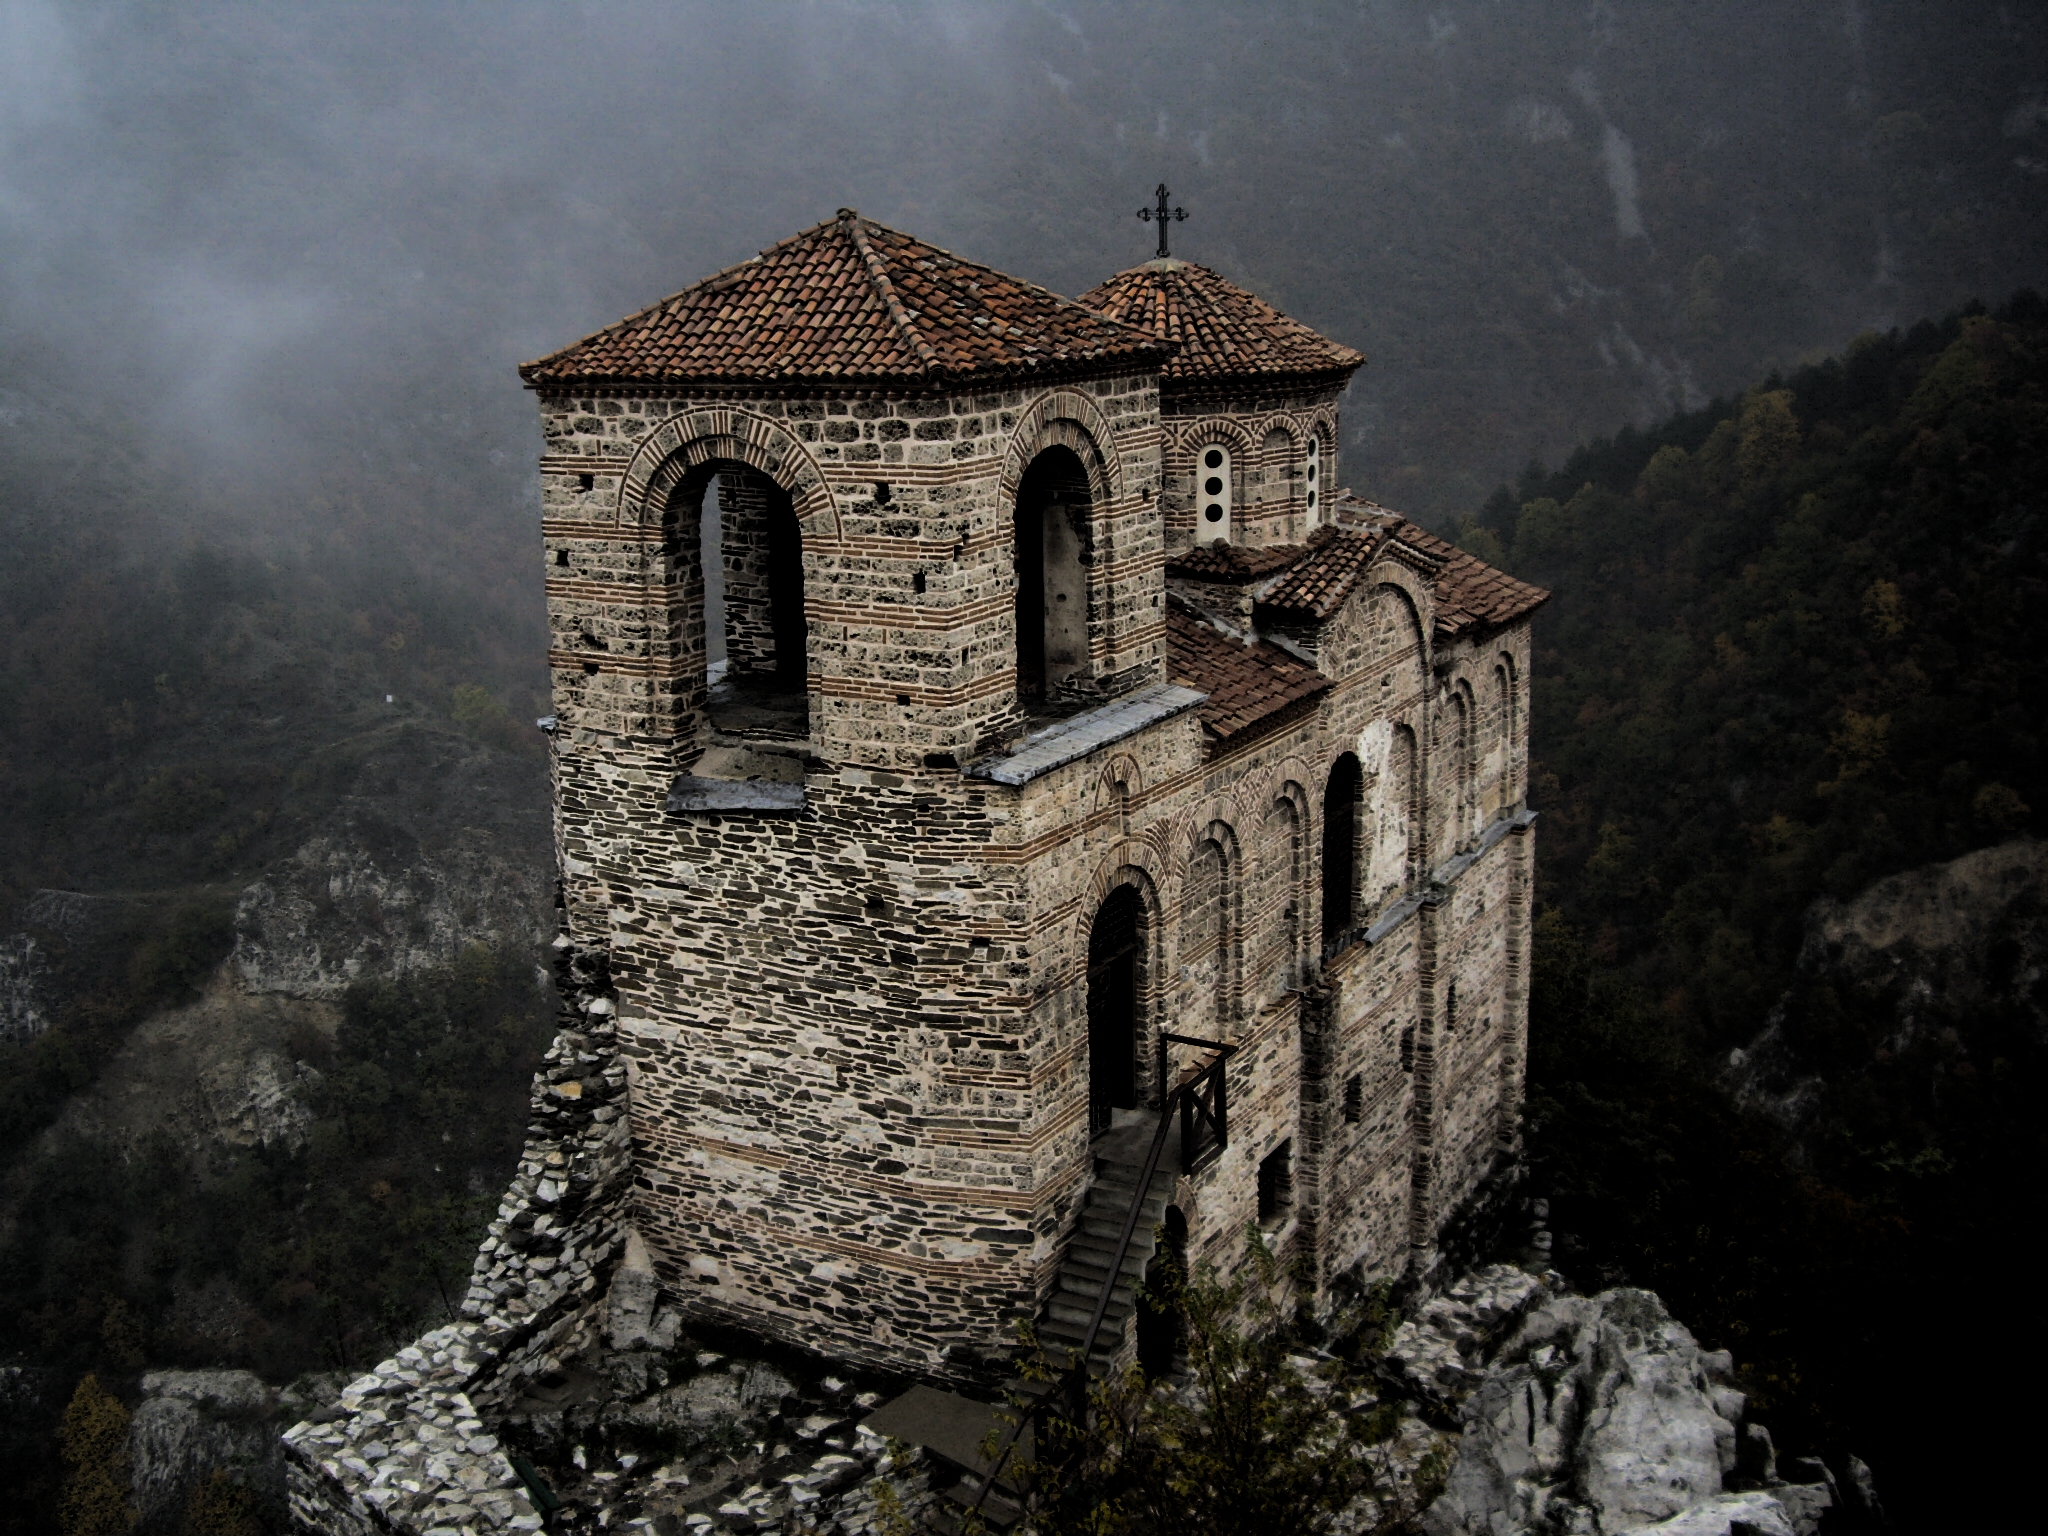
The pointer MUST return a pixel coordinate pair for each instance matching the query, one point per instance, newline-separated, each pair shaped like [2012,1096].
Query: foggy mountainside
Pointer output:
[276,871]
[1796,648]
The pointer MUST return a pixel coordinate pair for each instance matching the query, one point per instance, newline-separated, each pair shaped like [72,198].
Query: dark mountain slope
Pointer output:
[1797,646]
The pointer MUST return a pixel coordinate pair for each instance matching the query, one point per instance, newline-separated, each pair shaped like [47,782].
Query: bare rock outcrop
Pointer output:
[191,1423]
[440,842]
[1602,1416]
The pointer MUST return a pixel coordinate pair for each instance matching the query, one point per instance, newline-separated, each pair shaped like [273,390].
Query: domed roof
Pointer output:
[1221,331]
[848,301]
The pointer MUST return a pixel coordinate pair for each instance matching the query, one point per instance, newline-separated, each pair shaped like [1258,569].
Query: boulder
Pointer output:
[190,1423]
[1598,1415]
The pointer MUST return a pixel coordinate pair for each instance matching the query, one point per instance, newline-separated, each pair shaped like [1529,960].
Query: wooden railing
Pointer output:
[1205,1131]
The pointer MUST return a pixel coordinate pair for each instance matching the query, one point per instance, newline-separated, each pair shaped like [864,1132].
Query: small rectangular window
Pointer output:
[1276,1184]
[1354,1098]
[1408,1049]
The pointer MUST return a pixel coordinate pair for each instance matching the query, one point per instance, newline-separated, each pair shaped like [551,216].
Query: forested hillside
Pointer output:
[1797,645]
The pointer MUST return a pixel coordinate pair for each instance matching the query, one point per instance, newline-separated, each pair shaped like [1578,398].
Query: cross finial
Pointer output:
[1164,215]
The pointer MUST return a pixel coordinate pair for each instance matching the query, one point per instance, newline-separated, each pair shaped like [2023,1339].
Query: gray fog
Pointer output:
[291,254]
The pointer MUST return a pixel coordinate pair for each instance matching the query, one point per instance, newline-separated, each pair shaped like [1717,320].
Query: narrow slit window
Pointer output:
[1276,1184]
[1354,1098]
[1212,494]
[1311,479]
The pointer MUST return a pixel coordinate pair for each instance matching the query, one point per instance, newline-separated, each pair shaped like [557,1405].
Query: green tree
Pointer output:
[1259,1439]
[223,1506]
[95,1444]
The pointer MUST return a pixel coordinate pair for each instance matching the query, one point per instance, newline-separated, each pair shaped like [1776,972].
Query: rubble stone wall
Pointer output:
[411,1447]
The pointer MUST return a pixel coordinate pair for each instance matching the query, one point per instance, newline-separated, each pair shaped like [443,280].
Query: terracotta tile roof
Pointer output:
[848,301]
[1232,562]
[1318,583]
[1246,684]
[1470,594]
[1223,332]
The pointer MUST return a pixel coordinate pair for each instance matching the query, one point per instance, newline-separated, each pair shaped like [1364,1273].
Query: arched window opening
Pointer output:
[1053,551]
[1340,849]
[1287,852]
[1212,494]
[1311,480]
[755,631]
[1116,944]
[1209,941]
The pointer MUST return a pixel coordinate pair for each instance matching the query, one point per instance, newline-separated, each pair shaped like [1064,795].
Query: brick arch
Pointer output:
[1281,421]
[1121,768]
[1064,418]
[1132,861]
[1421,605]
[694,438]
[1203,430]
[1322,422]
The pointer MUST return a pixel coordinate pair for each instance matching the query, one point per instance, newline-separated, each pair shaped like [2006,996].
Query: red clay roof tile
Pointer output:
[1245,683]
[1221,331]
[1470,594]
[1232,562]
[1318,583]
[848,301]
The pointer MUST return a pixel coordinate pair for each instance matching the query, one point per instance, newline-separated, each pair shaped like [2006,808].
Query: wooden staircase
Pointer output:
[1119,1161]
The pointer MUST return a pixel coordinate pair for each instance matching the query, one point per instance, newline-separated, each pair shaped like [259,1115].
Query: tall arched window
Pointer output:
[756,636]
[1053,534]
[1212,494]
[1340,848]
[1116,949]
[1284,848]
[1311,480]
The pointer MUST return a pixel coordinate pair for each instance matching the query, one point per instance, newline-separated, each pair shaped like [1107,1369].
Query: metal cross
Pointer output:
[1164,215]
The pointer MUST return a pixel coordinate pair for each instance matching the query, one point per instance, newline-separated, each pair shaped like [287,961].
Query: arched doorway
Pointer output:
[1116,944]
[1052,553]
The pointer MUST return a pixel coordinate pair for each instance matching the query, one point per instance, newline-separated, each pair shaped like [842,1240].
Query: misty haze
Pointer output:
[1622,691]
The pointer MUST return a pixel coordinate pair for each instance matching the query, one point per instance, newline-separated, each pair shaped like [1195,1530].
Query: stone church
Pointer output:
[980,723]
[1063,704]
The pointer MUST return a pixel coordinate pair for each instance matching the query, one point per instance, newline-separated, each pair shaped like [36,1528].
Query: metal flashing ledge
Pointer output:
[1436,889]
[692,796]
[1073,739]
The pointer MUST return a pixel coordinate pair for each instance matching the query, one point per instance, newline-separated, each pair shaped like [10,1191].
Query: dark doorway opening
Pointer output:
[1159,1316]
[1115,950]
[1340,849]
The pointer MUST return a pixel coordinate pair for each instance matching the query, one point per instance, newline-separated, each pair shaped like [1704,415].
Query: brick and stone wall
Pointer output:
[855,1021]
[1266,433]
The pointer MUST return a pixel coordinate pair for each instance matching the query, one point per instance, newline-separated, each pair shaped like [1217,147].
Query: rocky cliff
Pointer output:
[1939,974]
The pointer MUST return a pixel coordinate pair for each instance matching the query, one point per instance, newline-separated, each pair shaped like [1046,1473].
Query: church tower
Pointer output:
[1247,406]
[989,763]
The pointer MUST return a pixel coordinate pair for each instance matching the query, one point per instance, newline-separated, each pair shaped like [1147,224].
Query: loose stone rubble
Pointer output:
[407,1448]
